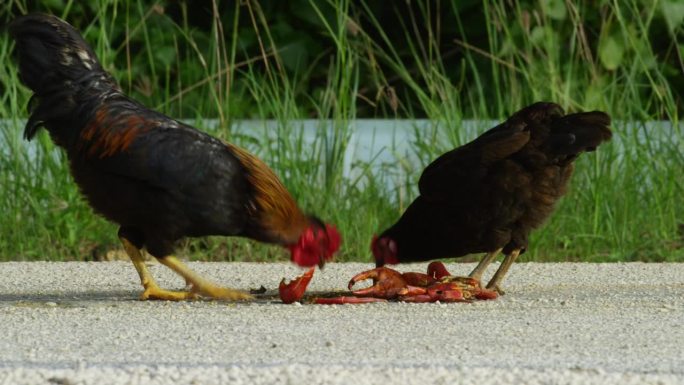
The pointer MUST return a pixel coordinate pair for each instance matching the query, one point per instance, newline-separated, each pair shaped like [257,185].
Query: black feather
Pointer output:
[61,69]
[492,192]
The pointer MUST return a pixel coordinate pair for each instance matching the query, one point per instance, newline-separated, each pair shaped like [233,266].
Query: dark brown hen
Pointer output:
[158,178]
[488,195]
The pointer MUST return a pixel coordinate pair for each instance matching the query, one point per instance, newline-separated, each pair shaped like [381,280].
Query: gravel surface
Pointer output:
[569,323]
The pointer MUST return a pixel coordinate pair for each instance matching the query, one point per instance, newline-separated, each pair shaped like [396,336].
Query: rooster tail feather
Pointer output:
[57,64]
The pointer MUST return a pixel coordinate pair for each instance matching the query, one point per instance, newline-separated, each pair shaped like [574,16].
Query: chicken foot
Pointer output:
[199,285]
[152,290]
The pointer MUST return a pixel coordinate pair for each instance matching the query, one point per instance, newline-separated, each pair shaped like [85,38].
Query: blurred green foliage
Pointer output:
[340,60]
[194,41]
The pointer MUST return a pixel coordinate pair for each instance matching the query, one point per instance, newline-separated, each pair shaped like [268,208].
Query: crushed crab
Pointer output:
[388,284]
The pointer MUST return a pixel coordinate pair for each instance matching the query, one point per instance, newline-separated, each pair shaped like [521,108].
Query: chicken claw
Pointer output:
[154,292]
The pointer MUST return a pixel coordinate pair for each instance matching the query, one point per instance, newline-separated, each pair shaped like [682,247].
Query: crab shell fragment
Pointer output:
[294,291]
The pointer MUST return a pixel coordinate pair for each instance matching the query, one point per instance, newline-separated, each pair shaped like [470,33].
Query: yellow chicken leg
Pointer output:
[200,285]
[152,290]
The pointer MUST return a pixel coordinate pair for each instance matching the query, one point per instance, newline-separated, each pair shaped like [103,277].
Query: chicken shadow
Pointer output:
[67,298]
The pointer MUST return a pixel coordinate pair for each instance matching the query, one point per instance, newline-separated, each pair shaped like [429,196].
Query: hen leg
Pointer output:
[484,263]
[200,285]
[495,282]
[152,290]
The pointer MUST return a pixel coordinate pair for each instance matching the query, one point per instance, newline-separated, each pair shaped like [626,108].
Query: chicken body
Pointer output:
[169,182]
[488,195]
[159,179]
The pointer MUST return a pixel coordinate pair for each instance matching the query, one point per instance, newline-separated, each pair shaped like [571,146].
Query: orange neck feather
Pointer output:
[277,210]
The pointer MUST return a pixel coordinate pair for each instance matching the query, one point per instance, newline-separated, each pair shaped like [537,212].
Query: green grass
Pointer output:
[625,202]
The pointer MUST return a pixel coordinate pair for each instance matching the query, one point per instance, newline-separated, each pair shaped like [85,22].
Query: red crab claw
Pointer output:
[388,283]
[418,279]
[437,270]
[294,291]
[347,299]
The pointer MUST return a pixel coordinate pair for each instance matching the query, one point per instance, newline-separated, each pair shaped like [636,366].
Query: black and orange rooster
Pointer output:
[160,180]
[486,196]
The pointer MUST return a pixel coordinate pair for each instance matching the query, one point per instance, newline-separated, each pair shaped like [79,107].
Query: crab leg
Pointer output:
[347,299]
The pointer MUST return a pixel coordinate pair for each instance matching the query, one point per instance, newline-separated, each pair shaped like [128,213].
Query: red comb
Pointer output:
[384,250]
[334,240]
[307,251]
